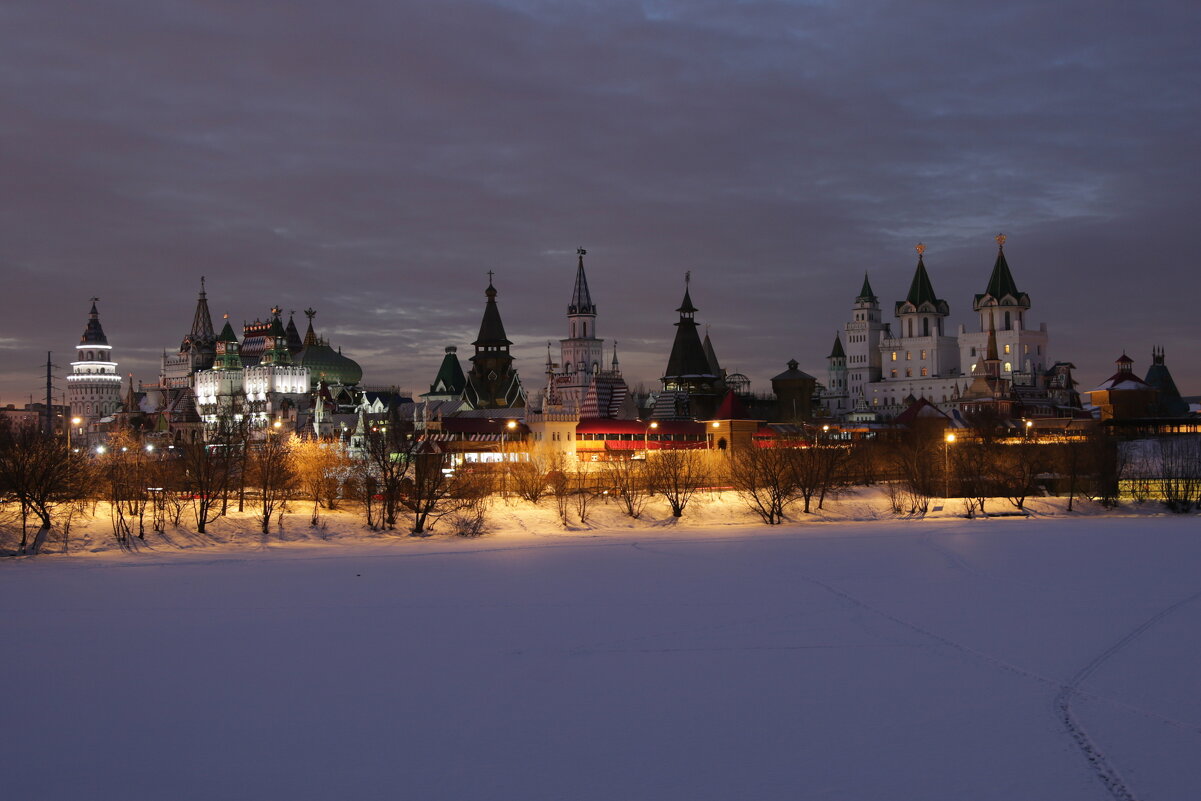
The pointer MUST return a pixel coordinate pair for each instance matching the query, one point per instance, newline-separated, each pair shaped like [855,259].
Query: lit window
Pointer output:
[925,372]
[1006,349]
[973,367]
[923,355]
[908,355]
[894,355]
[1008,367]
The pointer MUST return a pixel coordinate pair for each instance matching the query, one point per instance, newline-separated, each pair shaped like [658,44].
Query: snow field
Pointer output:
[858,660]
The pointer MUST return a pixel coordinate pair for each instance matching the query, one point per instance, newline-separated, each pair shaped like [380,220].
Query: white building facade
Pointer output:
[94,385]
[885,371]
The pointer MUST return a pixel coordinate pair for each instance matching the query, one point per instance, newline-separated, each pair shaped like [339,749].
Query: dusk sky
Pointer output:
[375,159]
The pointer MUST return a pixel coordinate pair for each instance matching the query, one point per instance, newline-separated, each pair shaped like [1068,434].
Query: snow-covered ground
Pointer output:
[1055,657]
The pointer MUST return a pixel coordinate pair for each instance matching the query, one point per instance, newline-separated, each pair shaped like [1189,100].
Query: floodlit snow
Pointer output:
[1055,657]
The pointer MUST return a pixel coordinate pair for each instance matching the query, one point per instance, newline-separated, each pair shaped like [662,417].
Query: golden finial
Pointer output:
[921,248]
[225,316]
[1000,240]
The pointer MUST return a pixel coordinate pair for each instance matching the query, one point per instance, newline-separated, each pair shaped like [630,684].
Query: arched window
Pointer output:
[925,326]
[1008,367]
[1007,321]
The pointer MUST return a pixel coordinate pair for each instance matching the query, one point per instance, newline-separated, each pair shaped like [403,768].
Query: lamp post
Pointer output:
[646,446]
[946,465]
[74,422]
[1029,425]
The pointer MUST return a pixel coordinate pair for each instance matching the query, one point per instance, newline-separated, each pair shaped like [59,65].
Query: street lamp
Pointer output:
[1029,425]
[74,422]
[946,465]
[646,447]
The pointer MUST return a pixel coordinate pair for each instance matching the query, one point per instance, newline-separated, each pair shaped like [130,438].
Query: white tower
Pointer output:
[921,349]
[1002,307]
[94,386]
[863,335]
[581,353]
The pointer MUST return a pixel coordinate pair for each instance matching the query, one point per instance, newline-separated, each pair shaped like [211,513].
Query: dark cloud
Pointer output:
[374,159]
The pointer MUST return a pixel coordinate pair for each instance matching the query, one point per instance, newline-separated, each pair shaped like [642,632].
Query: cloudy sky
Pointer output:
[374,159]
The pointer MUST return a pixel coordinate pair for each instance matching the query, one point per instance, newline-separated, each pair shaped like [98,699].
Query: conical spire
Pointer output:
[686,308]
[866,294]
[710,354]
[93,334]
[837,352]
[688,356]
[310,337]
[227,333]
[581,299]
[202,321]
[293,336]
[1001,283]
[1002,290]
[921,297]
[921,290]
[492,330]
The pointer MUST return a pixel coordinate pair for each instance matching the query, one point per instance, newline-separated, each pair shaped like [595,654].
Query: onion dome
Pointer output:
[329,365]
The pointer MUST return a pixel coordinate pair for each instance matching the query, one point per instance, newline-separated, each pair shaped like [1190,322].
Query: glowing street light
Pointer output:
[646,447]
[946,464]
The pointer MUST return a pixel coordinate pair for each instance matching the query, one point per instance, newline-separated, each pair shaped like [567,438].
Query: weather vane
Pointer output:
[581,252]
[687,277]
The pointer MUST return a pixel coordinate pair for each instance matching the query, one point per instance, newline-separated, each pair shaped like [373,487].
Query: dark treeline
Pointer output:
[399,481]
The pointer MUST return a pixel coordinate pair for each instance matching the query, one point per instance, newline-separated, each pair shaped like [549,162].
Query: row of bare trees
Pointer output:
[404,481]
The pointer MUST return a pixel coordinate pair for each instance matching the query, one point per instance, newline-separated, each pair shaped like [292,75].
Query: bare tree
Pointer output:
[209,469]
[528,472]
[1180,472]
[974,463]
[435,488]
[584,490]
[765,479]
[677,475]
[559,484]
[319,467]
[387,458]
[273,476]
[125,471]
[628,479]
[1017,467]
[915,458]
[38,473]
